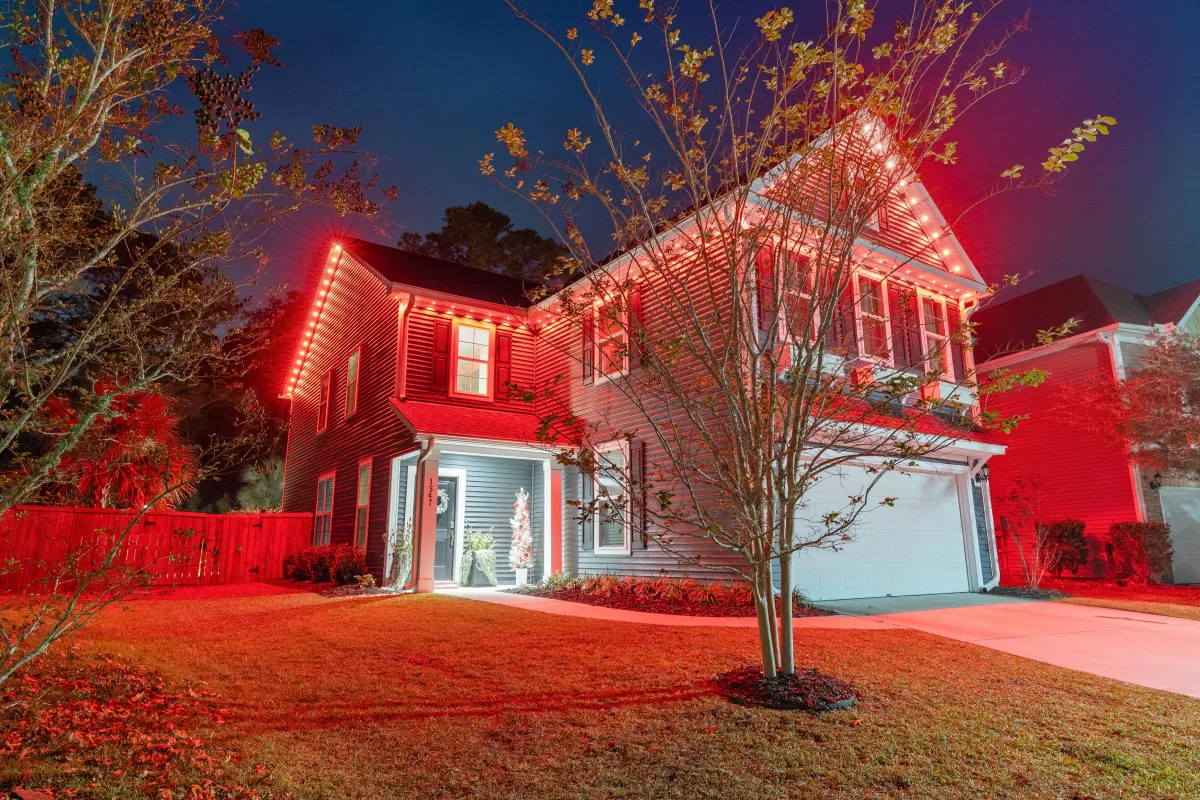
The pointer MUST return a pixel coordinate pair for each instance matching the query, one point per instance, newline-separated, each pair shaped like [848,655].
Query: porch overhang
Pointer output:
[445,421]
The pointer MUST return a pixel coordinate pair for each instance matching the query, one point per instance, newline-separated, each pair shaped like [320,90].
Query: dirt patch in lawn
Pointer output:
[805,690]
[658,605]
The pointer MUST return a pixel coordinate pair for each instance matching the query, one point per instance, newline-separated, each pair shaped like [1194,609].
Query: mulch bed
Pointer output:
[354,590]
[1028,594]
[806,690]
[657,605]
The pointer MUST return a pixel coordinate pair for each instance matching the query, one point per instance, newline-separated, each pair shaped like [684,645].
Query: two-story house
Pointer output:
[400,415]
[1085,477]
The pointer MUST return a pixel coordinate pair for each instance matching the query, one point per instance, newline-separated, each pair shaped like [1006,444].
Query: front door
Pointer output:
[443,549]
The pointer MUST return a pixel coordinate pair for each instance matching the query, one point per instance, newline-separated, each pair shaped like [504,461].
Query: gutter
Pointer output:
[426,451]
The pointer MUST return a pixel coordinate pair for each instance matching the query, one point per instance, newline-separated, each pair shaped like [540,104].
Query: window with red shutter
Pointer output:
[588,353]
[503,362]
[764,277]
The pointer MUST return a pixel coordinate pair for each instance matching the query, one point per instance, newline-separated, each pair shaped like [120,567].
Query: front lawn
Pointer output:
[1171,601]
[432,696]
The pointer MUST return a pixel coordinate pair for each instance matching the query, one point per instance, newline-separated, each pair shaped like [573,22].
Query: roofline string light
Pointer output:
[314,320]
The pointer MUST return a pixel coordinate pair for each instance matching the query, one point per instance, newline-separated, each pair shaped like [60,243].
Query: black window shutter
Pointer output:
[503,363]
[841,334]
[639,536]
[441,354]
[764,269]
[906,331]
[589,348]
[956,344]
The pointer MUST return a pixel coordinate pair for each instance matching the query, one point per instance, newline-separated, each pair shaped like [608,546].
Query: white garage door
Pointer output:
[1181,509]
[913,547]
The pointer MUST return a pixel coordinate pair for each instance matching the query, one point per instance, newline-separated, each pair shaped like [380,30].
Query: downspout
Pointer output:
[426,449]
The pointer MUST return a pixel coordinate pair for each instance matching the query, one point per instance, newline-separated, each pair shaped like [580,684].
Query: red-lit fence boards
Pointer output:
[182,548]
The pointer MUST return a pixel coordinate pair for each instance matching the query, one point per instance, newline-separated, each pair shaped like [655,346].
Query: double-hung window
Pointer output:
[612,513]
[324,516]
[362,504]
[797,296]
[934,331]
[352,380]
[323,401]
[872,315]
[612,344]
[473,353]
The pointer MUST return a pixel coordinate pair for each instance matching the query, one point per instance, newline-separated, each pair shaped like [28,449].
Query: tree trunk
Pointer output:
[772,615]
[766,634]
[787,646]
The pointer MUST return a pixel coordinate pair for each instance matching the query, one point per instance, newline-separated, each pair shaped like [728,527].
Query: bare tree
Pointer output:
[125,285]
[742,322]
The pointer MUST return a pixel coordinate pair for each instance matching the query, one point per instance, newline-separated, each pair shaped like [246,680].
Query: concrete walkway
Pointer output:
[1145,649]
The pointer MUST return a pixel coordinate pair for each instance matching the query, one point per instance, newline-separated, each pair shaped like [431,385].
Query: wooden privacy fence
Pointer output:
[181,548]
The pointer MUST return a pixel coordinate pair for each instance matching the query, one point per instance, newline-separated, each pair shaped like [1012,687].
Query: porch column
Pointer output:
[425,519]
[554,518]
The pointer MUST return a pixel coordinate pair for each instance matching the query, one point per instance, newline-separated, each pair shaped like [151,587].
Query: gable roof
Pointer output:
[426,272]
[1014,324]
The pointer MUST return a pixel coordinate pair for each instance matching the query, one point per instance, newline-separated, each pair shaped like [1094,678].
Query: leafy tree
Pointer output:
[262,486]
[1154,412]
[748,388]
[121,290]
[135,458]
[479,236]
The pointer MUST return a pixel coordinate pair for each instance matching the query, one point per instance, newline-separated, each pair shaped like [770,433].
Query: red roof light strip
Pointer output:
[310,332]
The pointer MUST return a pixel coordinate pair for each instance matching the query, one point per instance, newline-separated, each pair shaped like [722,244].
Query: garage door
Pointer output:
[1181,509]
[914,547]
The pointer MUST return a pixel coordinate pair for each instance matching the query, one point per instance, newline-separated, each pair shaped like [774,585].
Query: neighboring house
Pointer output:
[1085,477]
[400,413]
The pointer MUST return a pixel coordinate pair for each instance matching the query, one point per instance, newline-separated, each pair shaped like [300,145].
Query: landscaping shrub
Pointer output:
[340,563]
[1139,551]
[1067,548]
[660,589]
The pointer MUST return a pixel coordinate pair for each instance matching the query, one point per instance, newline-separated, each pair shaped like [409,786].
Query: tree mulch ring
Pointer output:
[354,590]
[658,605]
[1027,593]
[806,690]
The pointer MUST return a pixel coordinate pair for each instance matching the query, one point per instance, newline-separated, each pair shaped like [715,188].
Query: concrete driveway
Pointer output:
[1146,649]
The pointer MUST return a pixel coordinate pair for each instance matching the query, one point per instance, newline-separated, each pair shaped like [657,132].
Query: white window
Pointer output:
[352,381]
[872,315]
[933,313]
[473,353]
[323,402]
[797,297]
[324,516]
[612,515]
[362,505]
[612,350]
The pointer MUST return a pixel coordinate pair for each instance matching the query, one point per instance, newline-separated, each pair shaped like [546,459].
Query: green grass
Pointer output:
[431,696]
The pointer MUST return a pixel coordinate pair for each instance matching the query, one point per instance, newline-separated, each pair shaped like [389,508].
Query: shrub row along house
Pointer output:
[1083,475]
[402,416]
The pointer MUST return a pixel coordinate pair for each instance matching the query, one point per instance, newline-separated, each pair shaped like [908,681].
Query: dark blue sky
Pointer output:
[430,81]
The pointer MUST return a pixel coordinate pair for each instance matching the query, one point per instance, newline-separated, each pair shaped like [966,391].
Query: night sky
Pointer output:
[430,82]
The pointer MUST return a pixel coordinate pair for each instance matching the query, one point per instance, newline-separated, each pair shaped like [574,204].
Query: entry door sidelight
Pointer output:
[443,548]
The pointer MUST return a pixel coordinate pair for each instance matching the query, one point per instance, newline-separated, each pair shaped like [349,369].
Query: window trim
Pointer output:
[947,373]
[785,335]
[452,377]
[347,411]
[889,359]
[330,476]
[627,547]
[324,397]
[597,357]
[359,506]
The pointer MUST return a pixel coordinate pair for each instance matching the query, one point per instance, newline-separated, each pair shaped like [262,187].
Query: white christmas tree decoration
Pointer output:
[520,552]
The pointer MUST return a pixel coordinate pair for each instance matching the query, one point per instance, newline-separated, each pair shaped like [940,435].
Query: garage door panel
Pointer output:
[913,547]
